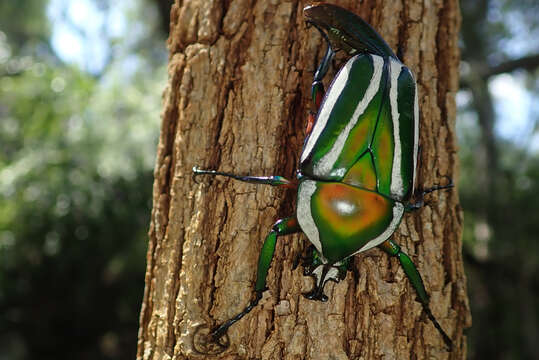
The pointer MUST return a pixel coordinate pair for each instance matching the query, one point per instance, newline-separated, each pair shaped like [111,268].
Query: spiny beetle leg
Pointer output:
[281,227]
[317,88]
[266,180]
[390,247]
[218,332]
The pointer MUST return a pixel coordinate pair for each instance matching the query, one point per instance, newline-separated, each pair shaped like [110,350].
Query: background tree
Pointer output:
[237,98]
[499,140]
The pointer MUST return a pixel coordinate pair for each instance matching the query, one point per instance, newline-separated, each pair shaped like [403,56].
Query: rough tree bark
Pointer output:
[237,100]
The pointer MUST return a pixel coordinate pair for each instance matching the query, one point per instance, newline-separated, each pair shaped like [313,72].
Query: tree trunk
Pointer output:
[237,100]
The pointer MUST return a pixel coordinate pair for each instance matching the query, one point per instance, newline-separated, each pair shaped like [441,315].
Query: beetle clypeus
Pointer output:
[358,164]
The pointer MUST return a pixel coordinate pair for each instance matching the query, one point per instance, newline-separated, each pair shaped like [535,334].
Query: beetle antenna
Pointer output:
[204,343]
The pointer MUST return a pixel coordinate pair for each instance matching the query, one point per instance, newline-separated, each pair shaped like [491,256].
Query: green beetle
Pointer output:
[358,164]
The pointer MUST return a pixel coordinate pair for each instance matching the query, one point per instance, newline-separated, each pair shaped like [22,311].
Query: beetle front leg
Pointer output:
[281,227]
[317,87]
[390,247]
[265,180]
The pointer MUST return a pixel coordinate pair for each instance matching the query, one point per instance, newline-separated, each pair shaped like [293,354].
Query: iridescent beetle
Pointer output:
[358,163]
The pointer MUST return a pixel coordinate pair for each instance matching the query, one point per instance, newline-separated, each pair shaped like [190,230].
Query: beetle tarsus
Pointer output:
[420,202]
[447,339]
[439,187]
[320,281]
[220,331]
[204,343]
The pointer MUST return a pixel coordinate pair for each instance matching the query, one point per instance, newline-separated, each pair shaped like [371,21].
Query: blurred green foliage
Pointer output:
[75,188]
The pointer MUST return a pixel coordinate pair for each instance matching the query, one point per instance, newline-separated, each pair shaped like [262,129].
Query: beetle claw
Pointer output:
[196,172]
[451,183]
[207,343]
[316,295]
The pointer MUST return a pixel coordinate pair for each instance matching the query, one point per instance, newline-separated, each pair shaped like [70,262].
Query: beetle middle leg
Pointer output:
[281,227]
[419,203]
[390,247]
[264,180]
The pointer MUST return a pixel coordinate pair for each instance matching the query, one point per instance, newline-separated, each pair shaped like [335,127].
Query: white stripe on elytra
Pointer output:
[397,188]
[416,132]
[332,96]
[327,162]
[398,211]
[304,215]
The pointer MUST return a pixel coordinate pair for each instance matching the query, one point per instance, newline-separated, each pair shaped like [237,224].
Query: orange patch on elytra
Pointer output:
[349,209]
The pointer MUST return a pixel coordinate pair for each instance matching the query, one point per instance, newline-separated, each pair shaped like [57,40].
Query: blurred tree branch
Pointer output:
[527,63]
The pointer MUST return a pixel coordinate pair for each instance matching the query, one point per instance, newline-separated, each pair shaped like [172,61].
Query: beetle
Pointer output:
[358,165]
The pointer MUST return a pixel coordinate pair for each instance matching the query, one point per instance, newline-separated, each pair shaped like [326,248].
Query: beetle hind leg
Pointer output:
[317,88]
[413,275]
